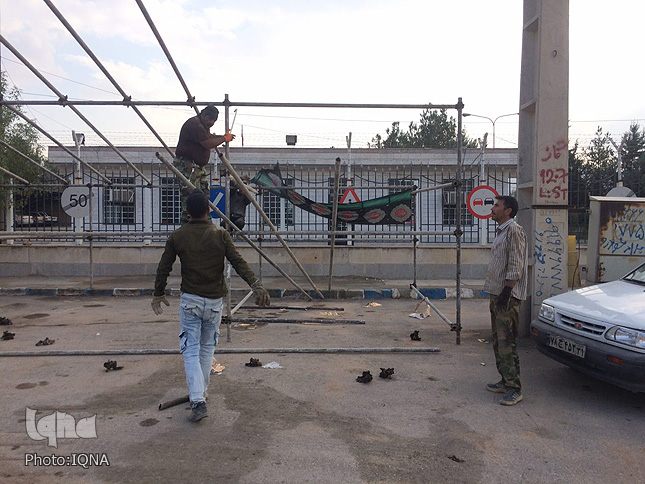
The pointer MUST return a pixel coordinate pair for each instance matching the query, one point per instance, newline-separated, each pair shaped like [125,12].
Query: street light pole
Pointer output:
[491,120]
[79,139]
[619,153]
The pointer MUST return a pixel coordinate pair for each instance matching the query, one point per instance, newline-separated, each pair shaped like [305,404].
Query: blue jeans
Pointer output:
[199,319]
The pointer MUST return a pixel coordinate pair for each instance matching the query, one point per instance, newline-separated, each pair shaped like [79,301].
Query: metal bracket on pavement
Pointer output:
[453,326]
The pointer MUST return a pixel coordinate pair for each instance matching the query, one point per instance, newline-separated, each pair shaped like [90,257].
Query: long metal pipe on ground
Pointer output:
[295,308]
[175,402]
[297,321]
[218,351]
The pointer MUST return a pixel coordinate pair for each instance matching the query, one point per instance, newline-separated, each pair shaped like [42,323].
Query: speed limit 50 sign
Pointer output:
[76,201]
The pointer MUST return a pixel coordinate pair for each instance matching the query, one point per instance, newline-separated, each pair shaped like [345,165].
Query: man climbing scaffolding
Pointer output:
[194,149]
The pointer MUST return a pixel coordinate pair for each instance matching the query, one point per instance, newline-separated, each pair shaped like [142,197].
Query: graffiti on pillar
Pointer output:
[552,179]
[624,233]
[549,264]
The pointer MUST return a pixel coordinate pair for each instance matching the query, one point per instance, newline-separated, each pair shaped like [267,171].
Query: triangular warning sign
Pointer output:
[349,196]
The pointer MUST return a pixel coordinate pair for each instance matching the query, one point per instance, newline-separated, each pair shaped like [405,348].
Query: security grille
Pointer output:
[119,203]
[169,201]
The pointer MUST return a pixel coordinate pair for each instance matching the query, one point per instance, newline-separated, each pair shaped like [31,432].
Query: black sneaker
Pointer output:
[511,397]
[498,387]
[198,412]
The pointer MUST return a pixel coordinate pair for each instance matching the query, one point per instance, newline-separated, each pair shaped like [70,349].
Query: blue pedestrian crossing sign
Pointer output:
[218,197]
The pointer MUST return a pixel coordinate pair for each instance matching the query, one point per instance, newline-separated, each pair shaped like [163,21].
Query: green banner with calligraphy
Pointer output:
[387,210]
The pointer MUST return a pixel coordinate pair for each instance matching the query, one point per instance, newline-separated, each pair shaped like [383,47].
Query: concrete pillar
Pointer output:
[543,161]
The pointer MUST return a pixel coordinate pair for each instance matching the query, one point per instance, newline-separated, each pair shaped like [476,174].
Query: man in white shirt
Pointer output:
[506,282]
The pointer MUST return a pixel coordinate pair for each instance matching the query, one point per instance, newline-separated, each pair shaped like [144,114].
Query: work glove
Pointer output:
[262,298]
[156,304]
[228,137]
[504,297]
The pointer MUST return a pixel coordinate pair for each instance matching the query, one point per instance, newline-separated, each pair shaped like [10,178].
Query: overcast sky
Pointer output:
[332,51]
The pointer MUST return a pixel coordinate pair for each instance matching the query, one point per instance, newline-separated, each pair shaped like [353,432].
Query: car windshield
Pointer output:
[637,275]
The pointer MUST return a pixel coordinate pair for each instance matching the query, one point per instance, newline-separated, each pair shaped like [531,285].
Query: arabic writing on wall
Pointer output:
[549,265]
[626,233]
[553,181]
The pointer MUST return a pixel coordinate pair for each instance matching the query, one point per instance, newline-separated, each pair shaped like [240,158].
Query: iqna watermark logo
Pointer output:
[58,425]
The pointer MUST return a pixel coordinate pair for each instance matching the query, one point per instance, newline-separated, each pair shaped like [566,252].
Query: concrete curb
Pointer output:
[391,293]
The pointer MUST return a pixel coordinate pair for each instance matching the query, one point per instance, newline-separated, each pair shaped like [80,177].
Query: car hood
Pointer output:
[617,302]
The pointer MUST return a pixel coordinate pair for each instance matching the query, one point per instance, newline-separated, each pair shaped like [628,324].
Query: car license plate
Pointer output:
[567,346]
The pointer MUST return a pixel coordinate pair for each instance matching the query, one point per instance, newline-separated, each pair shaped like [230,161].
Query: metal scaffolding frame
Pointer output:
[227,104]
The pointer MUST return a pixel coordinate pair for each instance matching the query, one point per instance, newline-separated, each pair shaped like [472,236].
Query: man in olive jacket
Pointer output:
[201,248]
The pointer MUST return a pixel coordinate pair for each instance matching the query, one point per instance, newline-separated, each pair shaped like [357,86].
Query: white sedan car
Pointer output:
[598,330]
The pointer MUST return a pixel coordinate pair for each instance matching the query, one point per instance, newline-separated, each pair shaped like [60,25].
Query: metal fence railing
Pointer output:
[131,210]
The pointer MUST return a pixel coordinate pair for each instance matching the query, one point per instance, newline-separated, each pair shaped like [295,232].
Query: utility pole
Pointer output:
[543,163]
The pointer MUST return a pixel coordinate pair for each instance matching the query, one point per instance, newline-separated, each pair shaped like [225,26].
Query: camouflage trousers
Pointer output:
[505,324]
[198,176]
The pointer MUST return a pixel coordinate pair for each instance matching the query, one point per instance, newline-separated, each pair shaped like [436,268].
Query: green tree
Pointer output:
[22,137]
[593,171]
[599,164]
[435,130]
[395,138]
[633,159]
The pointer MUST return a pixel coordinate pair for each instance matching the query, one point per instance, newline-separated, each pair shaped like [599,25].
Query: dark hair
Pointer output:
[211,111]
[509,202]
[197,203]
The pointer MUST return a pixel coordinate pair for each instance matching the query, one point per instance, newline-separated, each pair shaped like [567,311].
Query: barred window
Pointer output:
[449,200]
[170,201]
[279,210]
[119,202]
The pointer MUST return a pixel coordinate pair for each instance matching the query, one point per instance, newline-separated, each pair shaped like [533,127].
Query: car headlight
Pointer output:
[626,336]
[547,312]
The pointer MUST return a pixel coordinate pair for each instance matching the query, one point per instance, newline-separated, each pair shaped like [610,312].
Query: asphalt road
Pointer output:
[309,421]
